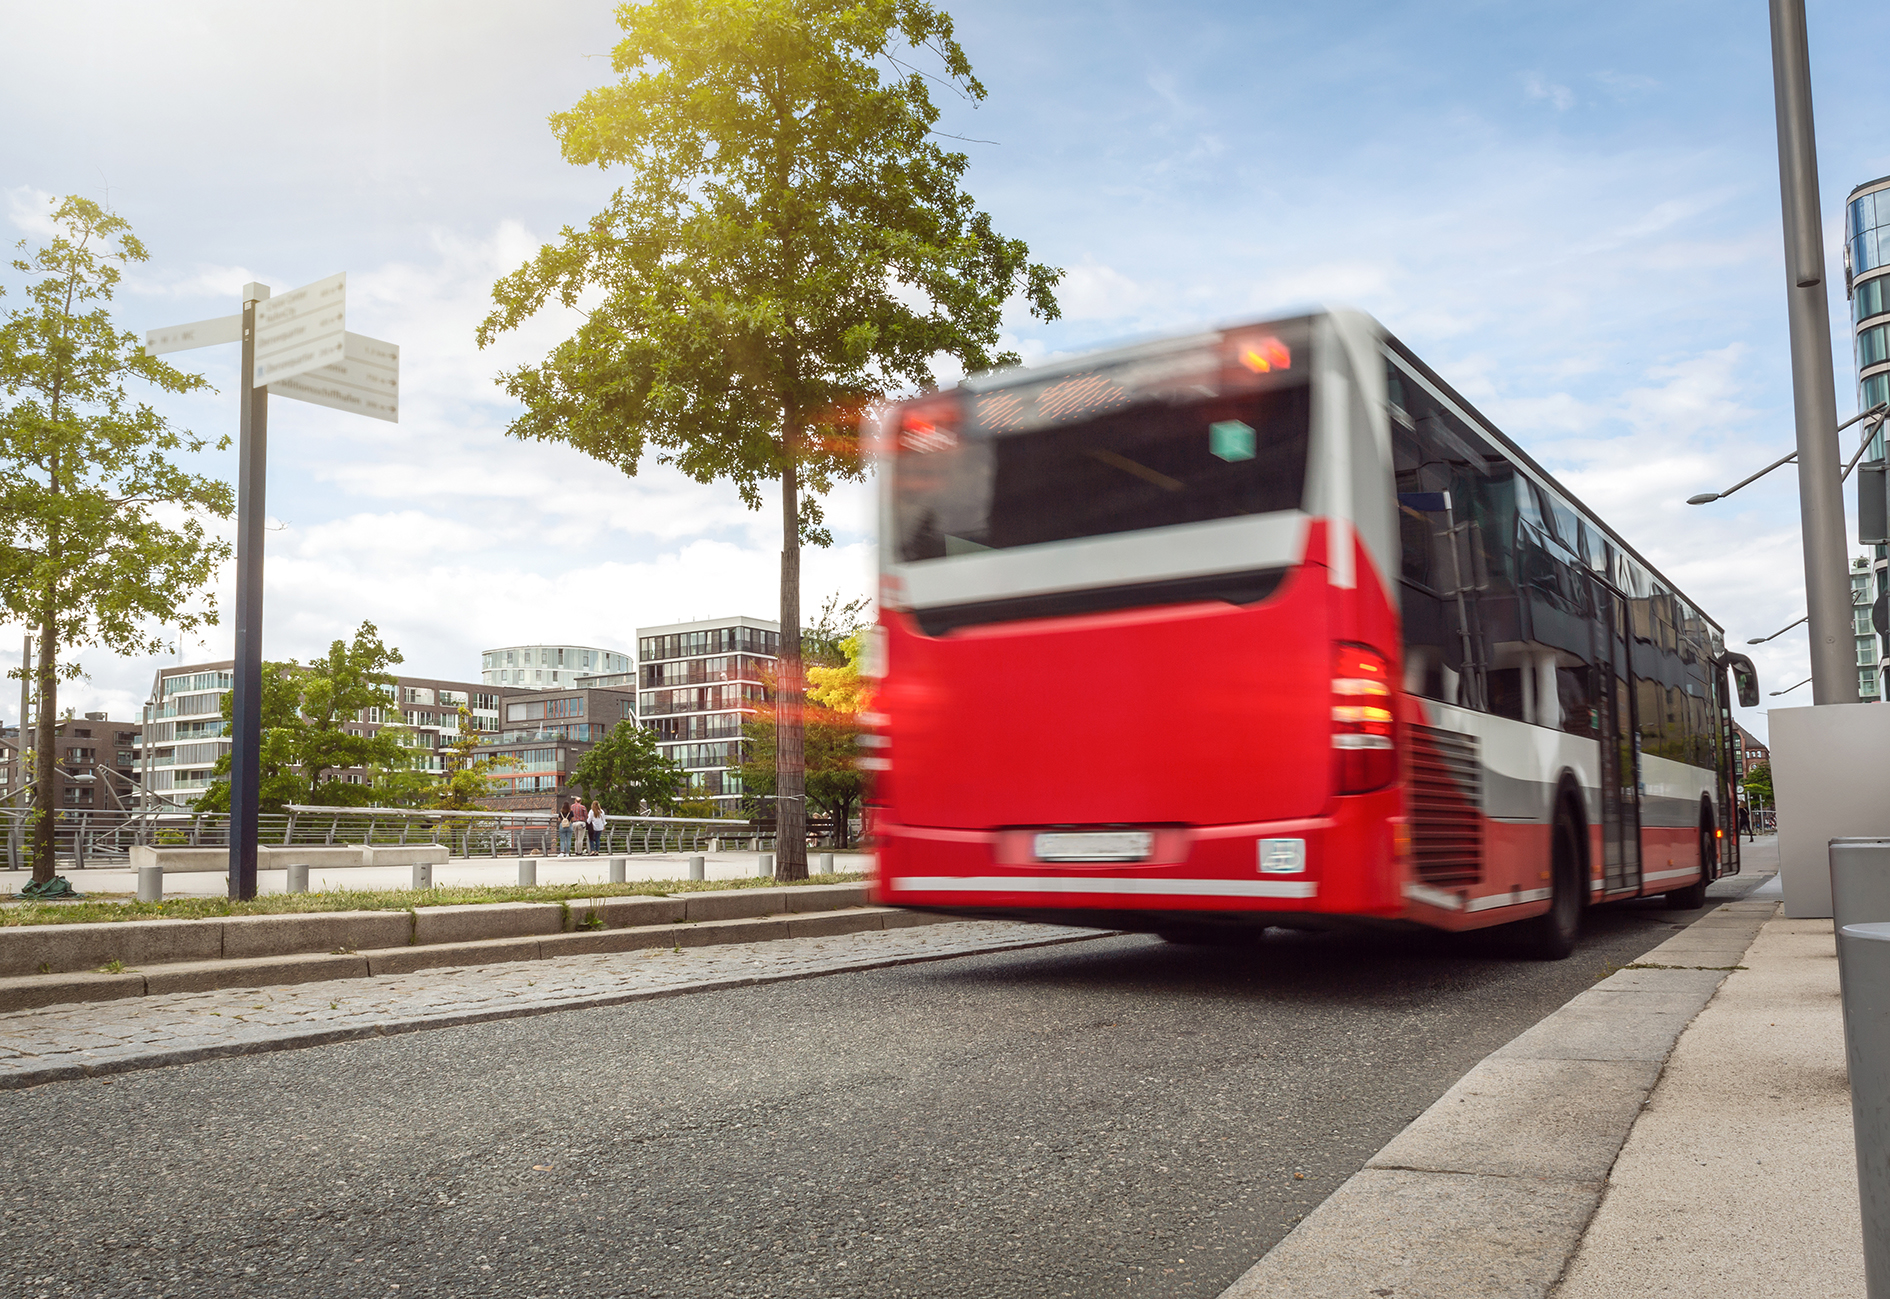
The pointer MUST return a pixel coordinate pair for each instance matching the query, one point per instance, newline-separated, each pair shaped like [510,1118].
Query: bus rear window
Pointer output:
[1218,433]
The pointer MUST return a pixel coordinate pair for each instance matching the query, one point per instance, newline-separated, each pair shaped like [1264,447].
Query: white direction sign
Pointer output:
[199,333]
[300,331]
[365,381]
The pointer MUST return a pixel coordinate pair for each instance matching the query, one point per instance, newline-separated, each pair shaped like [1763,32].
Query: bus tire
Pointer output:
[1693,896]
[1551,935]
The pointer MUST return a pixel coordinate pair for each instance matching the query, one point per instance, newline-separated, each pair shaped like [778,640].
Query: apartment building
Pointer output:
[698,683]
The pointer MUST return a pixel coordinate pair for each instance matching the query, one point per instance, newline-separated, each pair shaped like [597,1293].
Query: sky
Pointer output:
[1570,210]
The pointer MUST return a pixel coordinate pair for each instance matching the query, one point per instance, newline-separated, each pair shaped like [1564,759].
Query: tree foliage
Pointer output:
[1759,785]
[791,244]
[102,538]
[312,732]
[627,771]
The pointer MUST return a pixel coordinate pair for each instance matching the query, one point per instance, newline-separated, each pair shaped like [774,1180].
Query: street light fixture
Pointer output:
[1788,689]
[1760,640]
[1707,498]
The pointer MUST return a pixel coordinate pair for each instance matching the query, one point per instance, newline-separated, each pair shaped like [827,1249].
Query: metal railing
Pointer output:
[85,838]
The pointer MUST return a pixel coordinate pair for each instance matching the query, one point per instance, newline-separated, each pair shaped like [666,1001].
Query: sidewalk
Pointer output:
[1740,1177]
[1683,1129]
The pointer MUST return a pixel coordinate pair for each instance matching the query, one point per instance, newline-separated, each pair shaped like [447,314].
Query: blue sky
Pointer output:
[1571,210]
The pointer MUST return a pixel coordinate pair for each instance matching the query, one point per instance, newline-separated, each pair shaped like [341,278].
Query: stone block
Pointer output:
[259,972]
[180,860]
[318,931]
[823,897]
[34,991]
[64,949]
[612,940]
[275,857]
[440,956]
[477,921]
[733,904]
[714,933]
[828,924]
[406,854]
[624,913]
[1562,1119]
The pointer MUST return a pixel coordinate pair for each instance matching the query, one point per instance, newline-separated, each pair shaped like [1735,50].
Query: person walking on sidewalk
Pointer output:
[596,820]
[564,830]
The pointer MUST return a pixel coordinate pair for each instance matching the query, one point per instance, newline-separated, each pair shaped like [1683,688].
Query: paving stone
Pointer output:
[53,1042]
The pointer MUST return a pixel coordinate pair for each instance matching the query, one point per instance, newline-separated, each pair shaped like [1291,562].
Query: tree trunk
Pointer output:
[45,756]
[790,744]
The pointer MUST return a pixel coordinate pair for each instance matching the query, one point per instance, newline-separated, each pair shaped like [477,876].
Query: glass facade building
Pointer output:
[1867,286]
[698,682]
[548,667]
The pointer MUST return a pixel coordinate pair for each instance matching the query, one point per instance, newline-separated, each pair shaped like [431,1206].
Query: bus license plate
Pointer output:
[1099,846]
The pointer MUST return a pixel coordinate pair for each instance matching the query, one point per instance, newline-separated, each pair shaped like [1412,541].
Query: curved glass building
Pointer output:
[1867,282]
[1867,277]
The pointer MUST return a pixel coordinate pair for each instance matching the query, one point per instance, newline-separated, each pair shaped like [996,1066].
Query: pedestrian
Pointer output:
[564,830]
[1745,821]
[597,823]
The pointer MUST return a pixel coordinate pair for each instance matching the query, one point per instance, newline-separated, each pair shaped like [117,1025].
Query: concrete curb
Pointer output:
[1488,1192]
[73,949]
[159,1059]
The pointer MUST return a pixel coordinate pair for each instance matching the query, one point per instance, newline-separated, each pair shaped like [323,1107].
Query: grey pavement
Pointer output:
[1111,1116]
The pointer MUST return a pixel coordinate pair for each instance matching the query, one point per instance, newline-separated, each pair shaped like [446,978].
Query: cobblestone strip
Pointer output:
[61,1042]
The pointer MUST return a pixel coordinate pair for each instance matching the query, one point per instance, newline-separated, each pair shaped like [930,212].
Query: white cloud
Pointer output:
[1535,86]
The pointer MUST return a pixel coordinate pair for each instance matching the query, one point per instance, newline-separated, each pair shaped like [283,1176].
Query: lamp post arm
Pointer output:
[1760,640]
[1870,431]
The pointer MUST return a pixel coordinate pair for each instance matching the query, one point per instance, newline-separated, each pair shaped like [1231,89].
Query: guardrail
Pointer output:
[85,839]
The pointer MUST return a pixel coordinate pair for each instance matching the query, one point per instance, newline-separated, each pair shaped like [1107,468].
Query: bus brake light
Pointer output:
[1364,753]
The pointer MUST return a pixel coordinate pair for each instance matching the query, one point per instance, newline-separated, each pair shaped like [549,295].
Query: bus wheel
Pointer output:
[1551,935]
[1693,896]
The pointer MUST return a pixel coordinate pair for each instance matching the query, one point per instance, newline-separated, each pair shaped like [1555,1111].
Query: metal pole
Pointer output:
[1814,393]
[246,706]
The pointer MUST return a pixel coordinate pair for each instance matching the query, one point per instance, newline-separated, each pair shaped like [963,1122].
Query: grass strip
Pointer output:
[277,904]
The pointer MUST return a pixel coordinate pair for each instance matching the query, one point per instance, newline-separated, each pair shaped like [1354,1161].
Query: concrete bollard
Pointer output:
[1864,964]
[422,875]
[298,877]
[823,863]
[698,868]
[1860,882]
[765,867]
[619,868]
[527,872]
[150,883]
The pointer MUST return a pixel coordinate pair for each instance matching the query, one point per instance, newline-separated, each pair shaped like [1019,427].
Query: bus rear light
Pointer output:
[1364,752]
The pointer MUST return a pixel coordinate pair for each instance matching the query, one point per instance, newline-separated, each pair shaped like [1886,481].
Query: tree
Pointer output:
[1759,786]
[467,777]
[792,246]
[311,715]
[627,771]
[101,535]
[837,694]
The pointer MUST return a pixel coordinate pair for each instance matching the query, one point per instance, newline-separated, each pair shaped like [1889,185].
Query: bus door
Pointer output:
[1620,749]
[1729,766]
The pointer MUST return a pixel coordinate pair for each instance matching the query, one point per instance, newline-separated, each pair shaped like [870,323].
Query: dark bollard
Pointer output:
[1864,965]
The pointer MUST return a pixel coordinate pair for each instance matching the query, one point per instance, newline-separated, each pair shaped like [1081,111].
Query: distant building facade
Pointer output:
[543,736]
[187,733]
[698,682]
[1867,286]
[95,764]
[549,667]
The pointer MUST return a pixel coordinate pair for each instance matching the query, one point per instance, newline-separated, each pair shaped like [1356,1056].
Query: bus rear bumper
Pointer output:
[1345,868]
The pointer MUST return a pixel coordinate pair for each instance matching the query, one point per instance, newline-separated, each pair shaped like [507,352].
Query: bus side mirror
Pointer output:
[1745,679]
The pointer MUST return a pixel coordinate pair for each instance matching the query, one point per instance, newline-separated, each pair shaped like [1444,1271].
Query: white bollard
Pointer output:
[527,872]
[422,875]
[150,883]
[766,867]
[823,863]
[618,869]
[696,868]
[298,877]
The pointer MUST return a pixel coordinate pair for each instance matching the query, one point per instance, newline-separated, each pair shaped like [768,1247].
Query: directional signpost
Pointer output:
[297,345]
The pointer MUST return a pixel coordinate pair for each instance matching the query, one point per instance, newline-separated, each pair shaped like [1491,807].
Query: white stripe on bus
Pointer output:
[1648,877]
[1071,884]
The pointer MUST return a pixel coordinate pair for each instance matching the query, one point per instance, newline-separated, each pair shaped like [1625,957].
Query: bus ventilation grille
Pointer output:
[1446,806]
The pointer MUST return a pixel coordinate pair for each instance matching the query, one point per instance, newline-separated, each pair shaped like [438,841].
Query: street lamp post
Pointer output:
[1814,393]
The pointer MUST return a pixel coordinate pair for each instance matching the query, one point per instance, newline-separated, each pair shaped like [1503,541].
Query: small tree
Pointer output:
[101,535]
[312,727]
[467,778]
[627,771]
[792,246]
[1759,785]
[836,694]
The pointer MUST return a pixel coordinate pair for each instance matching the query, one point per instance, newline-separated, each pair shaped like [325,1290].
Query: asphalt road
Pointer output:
[1120,1117]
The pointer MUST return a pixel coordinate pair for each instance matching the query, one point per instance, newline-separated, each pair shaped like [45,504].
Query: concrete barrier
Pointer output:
[698,868]
[416,854]
[298,879]
[619,868]
[480,920]
[65,949]
[528,872]
[422,875]
[150,883]
[315,931]
[269,857]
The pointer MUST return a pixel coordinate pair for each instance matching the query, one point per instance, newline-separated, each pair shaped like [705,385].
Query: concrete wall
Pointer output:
[1830,766]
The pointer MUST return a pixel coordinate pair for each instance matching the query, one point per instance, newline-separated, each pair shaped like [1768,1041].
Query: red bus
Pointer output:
[1269,626]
